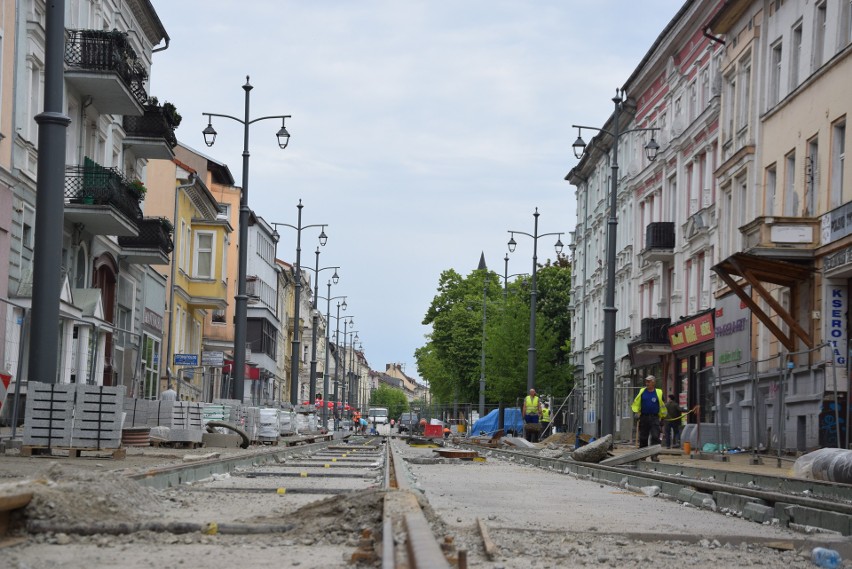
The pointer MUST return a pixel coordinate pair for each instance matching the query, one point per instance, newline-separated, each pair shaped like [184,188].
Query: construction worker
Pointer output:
[650,408]
[531,412]
[545,418]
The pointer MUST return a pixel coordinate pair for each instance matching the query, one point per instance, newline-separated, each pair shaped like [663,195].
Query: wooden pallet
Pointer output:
[30,450]
[176,444]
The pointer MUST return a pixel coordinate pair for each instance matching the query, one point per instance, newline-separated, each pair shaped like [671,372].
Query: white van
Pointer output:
[378,415]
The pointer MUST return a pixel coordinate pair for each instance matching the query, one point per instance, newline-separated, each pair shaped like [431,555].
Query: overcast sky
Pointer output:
[422,131]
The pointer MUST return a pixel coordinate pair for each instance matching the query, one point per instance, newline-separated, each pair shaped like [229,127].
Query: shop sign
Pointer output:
[732,330]
[691,332]
[152,320]
[837,298]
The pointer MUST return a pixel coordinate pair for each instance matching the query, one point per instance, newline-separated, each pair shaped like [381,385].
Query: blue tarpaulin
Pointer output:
[487,425]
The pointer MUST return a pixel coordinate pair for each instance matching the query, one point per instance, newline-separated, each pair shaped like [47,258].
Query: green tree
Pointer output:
[451,358]
[394,399]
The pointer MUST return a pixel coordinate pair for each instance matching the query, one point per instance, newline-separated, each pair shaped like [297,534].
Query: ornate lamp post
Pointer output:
[531,355]
[294,353]
[651,149]
[241,299]
[325,379]
[314,326]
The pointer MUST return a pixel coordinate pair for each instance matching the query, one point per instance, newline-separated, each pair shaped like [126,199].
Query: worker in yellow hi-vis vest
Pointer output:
[545,419]
[532,412]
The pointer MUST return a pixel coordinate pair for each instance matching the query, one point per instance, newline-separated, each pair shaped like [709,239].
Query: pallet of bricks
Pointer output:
[177,423]
[73,418]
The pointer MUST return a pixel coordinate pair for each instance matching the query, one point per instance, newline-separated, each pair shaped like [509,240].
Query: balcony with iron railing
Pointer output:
[153,244]
[102,200]
[659,241]
[151,135]
[652,341]
[103,65]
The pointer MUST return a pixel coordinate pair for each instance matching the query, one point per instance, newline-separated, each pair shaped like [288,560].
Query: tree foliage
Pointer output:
[450,360]
[393,399]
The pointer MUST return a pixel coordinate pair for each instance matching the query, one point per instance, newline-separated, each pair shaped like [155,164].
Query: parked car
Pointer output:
[409,422]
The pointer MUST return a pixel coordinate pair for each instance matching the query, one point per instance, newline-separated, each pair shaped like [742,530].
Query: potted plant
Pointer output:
[138,189]
[171,114]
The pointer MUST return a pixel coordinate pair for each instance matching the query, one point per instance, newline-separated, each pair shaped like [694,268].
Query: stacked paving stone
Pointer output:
[269,424]
[73,416]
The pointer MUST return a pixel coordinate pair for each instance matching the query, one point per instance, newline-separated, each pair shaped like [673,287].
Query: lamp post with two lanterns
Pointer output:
[294,353]
[335,278]
[325,376]
[241,299]
[531,354]
[651,149]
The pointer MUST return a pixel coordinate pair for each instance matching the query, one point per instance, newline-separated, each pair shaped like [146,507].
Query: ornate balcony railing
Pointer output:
[154,233]
[107,51]
[660,235]
[92,184]
[153,124]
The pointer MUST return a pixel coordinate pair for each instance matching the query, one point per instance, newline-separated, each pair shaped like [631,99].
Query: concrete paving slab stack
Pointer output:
[187,422]
[270,424]
[73,416]
[252,422]
[137,412]
[49,414]
[97,417]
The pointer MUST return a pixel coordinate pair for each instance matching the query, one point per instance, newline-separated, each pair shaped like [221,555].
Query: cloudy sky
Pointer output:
[422,131]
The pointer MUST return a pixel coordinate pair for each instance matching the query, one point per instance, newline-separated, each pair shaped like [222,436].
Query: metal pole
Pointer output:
[294,352]
[608,395]
[50,209]
[531,350]
[325,385]
[345,377]
[314,324]
[241,299]
[336,367]
[484,268]
[506,277]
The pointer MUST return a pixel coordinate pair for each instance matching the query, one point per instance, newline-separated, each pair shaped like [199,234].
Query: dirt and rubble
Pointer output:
[571,522]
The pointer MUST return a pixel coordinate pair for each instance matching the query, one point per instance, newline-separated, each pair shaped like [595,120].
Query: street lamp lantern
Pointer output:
[531,352]
[335,278]
[241,298]
[607,413]
[209,133]
[282,135]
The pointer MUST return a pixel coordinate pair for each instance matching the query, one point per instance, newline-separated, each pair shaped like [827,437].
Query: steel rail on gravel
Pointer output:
[818,496]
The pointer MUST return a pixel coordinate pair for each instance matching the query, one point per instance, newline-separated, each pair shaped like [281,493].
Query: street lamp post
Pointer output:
[531,356]
[346,323]
[325,386]
[297,271]
[484,268]
[507,276]
[337,363]
[651,149]
[335,278]
[241,299]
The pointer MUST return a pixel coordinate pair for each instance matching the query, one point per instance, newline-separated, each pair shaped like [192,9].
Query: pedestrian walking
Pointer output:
[673,418]
[650,409]
[532,412]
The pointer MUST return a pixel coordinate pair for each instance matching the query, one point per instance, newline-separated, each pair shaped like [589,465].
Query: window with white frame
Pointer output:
[769,192]
[227,243]
[28,227]
[36,82]
[185,244]
[811,177]
[704,94]
[791,200]
[795,54]
[743,104]
[774,94]
[820,14]
[845,31]
[838,159]
[730,105]
[205,249]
